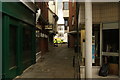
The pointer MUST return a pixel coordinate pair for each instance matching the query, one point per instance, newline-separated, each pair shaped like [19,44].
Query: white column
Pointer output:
[88,36]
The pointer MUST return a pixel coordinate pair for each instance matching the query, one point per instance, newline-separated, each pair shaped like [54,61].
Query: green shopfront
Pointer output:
[18,38]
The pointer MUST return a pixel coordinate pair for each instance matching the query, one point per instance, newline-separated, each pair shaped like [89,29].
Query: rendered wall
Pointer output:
[102,12]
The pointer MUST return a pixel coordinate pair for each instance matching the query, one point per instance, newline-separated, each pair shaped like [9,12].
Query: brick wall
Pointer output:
[44,9]
[72,12]
[44,13]
[72,27]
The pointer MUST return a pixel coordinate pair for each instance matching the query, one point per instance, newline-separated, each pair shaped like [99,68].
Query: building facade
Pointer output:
[46,25]
[42,34]
[72,24]
[18,36]
[105,22]
[25,30]
[66,18]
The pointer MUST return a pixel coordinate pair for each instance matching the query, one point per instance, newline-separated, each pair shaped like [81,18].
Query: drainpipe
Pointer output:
[88,36]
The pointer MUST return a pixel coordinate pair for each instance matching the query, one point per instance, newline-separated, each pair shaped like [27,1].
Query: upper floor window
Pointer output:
[54,3]
[72,3]
[65,5]
[61,35]
[60,28]
[66,23]
[73,19]
[33,1]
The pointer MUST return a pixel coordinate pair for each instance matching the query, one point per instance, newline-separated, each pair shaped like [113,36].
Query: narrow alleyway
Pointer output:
[57,63]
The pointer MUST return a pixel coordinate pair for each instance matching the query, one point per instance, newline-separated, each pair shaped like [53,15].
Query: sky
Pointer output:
[60,12]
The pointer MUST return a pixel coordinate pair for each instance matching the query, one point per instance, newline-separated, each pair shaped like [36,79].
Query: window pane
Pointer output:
[37,41]
[66,24]
[27,44]
[12,45]
[66,5]
[111,40]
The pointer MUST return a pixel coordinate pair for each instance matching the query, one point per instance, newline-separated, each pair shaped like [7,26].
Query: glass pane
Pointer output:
[12,46]
[27,44]
[111,40]
[66,6]
[37,44]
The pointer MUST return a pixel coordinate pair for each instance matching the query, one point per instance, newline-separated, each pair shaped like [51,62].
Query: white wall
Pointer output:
[65,13]
[65,0]
[52,6]
[51,18]
[65,37]
[56,7]
[50,14]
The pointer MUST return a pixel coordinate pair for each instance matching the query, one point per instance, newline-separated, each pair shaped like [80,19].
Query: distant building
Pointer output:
[66,18]
[46,25]
[72,23]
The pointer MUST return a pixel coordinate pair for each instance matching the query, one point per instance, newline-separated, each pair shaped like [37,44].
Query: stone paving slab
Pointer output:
[57,63]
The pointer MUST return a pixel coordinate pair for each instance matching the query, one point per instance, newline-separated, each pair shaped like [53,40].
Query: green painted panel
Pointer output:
[13,50]
[19,11]
[19,70]
[30,58]
[0,40]
[20,17]
[33,45]
[0,45]
[5,46]
[0,6]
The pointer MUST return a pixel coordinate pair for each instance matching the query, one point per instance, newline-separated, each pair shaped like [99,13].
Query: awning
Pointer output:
[72,32]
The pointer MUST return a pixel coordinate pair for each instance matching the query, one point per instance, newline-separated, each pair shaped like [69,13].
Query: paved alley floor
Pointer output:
[57,63]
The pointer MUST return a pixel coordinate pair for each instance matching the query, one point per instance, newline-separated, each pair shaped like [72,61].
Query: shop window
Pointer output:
[65,5]
[37,41]
[12,45]
[111,40]
[111,45]
[96,45]
[27,44]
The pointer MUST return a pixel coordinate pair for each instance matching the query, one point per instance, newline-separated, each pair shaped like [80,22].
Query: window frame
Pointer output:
[64,8]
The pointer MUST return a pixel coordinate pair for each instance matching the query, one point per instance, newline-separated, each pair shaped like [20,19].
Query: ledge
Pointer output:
[30,5]
[110,54]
